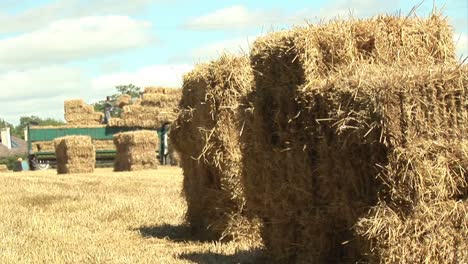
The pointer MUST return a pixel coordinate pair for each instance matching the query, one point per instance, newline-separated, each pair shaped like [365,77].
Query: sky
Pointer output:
[51,51]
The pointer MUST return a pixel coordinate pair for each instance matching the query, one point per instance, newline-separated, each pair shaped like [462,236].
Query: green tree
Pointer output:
[130,89]
[25,120]
[4,123]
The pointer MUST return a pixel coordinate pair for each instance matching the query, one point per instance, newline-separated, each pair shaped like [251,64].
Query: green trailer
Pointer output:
[39,160]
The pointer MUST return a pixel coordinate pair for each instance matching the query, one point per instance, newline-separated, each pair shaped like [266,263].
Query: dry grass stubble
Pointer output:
[104,217]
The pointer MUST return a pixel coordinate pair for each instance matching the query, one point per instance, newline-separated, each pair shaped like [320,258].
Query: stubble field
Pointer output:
[103,217]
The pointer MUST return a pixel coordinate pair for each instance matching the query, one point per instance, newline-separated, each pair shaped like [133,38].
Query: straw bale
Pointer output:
[49,146]
[75,154]
[435,232]
[161,100]
[68,126]
[103,144]
[328,109]
[3,168]
[161,90]
[157,107]
[207,136]
[136,150]
[43,146]
[79,113]
[123,100]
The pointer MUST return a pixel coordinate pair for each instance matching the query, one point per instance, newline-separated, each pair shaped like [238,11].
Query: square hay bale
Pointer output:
[162,100]
[435,232]
[325,143]
[157,107]
[136,150]
[123,100]
[39,146]
[207,136]
[79,113]
[3,168]
[75,154]
[104,144]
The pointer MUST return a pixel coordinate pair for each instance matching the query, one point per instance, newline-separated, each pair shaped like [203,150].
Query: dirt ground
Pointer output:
[104,217]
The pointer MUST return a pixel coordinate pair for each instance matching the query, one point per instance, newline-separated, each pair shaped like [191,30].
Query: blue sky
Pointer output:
[56,50]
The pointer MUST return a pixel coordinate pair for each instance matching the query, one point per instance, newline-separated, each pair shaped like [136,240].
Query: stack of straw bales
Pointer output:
[207,136]
[49,146]
[123,100]
[136,150]
[158,106]
[79,113]
[331,104]
[3,168]
[75,154]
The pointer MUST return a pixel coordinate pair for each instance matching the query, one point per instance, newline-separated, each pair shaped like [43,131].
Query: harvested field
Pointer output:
[103,217]
[75,154]
[136,150]
[207,136]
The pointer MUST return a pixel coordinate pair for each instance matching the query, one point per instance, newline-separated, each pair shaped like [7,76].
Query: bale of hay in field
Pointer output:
[75,154]
[326,113]
[49,146]
[434,232]
[422,215]
[104,144]
[158,106]
[43,146]
[3,168]
[123,100]
[207,136]
[136,150]
[79,113]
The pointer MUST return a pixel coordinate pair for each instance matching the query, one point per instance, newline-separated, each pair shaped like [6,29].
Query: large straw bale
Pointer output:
[75,154]
[207,136]
[435,232]
[328,109]
[79,113]
[136,150]
[43,146]
[104,144]
[49,146]
[123,100]
[3,168]
[157,107]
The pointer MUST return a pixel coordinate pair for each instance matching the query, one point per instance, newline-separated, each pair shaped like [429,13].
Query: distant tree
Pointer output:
[129,89]
[4,123]
[25,120]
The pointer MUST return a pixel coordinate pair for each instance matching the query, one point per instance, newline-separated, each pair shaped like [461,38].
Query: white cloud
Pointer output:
[66,40]
[213,50]
[156,75]
[41,83]
[42,91]
[234,17]
[461,41]
[41,16]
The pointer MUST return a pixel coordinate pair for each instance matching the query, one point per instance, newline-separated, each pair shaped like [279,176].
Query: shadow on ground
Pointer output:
[179,233]
[242,257]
